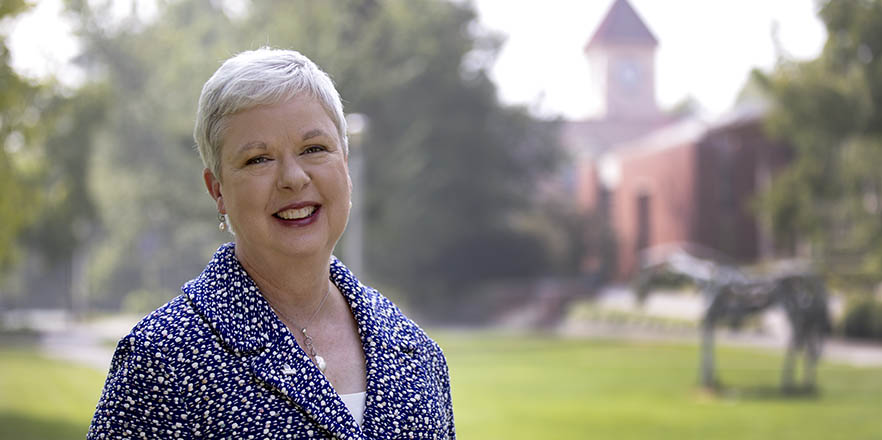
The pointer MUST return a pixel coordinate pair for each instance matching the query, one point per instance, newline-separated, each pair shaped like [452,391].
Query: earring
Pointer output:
[223,222]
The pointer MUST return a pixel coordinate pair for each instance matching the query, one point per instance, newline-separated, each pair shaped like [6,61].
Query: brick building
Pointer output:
[659,180]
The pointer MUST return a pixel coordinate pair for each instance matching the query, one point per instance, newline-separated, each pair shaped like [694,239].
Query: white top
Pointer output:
[355,403]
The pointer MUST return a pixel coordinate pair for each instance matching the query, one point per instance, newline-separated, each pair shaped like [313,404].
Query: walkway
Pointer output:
[93,343]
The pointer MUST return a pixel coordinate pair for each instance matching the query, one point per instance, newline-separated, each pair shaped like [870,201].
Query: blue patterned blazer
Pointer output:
[216,363]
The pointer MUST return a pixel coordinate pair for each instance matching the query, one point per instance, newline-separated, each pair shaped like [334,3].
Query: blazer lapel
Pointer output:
[227,298]
[287,368]
[386,353]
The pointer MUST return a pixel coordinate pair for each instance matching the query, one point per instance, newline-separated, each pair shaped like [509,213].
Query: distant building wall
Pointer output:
[700,191]
[654,201]
[735,164]
[655,179]
[588,186]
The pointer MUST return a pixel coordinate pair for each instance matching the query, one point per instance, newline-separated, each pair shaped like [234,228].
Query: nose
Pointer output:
[292,175]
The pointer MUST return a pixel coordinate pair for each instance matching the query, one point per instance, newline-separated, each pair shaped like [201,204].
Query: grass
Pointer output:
[43,399]
[527,387]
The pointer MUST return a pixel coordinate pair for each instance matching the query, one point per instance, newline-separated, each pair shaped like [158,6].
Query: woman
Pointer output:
[276,338]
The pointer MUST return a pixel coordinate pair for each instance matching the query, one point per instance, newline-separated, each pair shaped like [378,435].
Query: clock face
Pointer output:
[629,74]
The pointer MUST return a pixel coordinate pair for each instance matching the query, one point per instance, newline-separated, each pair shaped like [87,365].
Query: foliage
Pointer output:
[862,319]
[447,168]
[830,110]
[47,208]
[68,206]
[21,105]
[143,301]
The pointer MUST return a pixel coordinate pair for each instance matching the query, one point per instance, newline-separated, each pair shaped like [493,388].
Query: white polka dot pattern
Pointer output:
[216,363]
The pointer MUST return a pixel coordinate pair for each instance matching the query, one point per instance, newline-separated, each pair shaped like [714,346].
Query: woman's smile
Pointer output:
[272,135]
[285,183]
[298,216]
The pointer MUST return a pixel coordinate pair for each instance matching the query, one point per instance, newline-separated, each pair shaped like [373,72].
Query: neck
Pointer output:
[295,286]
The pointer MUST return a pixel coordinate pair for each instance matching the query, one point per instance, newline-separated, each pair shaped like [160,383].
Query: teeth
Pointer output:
[295,214]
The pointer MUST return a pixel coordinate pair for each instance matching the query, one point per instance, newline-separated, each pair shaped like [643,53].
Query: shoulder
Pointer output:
[163,339]
[170,325]
[372,308]
[406,340]
[390,317]
[413,367]
[141,392]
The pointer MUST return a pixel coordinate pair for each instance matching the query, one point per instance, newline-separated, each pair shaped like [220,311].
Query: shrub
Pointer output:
[142,301]
[863,319]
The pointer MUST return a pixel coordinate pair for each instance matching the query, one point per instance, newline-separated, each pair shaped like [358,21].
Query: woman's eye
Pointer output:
[314,149]
[256,160]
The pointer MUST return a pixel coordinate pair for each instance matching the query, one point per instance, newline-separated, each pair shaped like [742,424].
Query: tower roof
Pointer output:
[622,25]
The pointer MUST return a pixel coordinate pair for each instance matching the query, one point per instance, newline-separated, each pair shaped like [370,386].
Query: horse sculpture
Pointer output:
[731,296]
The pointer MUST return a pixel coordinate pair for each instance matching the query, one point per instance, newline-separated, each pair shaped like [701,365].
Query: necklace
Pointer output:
[307,340]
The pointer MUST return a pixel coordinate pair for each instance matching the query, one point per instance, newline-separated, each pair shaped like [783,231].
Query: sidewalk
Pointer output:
[93,343]
[89,343]
[773,332]
[856,354]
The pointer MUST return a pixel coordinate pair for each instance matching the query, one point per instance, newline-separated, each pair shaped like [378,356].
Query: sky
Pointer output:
[40,41]
[706,47]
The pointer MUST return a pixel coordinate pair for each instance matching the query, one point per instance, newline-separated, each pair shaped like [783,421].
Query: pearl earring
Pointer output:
[223,222]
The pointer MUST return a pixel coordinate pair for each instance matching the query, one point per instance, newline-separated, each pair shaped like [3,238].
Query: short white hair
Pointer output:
[255,78]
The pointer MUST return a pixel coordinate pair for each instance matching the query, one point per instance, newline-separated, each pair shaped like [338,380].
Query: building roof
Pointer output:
[593,137]
[622,25]
[749,112]
[686,131]
[689,130]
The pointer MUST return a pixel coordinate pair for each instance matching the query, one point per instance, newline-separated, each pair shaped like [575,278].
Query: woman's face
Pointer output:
[284,180]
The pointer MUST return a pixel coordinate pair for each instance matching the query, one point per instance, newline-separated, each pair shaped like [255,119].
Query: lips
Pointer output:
[296,214]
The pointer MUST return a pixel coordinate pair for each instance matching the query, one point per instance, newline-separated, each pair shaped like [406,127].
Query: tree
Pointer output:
[145,177]
[447,168]
[57,239]
[830,110]
[21,106]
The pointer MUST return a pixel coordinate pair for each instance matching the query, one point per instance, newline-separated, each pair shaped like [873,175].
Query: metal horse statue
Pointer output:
[731,296]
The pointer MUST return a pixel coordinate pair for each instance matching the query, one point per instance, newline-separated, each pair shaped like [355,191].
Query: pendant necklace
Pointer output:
[307,340]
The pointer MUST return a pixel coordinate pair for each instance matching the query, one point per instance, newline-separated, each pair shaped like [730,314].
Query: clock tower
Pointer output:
[622,57]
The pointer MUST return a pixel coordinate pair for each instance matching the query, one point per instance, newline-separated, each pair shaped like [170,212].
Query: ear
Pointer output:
[213,185]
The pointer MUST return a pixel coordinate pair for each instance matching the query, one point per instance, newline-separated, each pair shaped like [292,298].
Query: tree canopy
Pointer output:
[447,168]
[21,106]
[830,110]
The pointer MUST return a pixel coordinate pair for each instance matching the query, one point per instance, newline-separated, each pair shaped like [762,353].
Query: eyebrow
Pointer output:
[251,146]
[316,132]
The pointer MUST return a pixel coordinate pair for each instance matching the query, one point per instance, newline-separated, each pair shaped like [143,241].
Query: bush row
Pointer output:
[862,319]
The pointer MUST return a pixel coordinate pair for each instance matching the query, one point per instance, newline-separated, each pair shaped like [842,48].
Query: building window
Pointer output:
[643,220]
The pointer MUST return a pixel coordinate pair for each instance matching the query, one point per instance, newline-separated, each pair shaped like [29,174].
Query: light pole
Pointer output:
[353,240]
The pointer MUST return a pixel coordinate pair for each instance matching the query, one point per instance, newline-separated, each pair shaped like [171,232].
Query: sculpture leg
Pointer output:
[812,353]
[707,355]
[787,371]
[809,373]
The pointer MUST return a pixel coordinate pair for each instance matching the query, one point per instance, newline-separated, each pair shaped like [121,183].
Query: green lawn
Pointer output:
[528,387]
[42,399]
[512,387]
